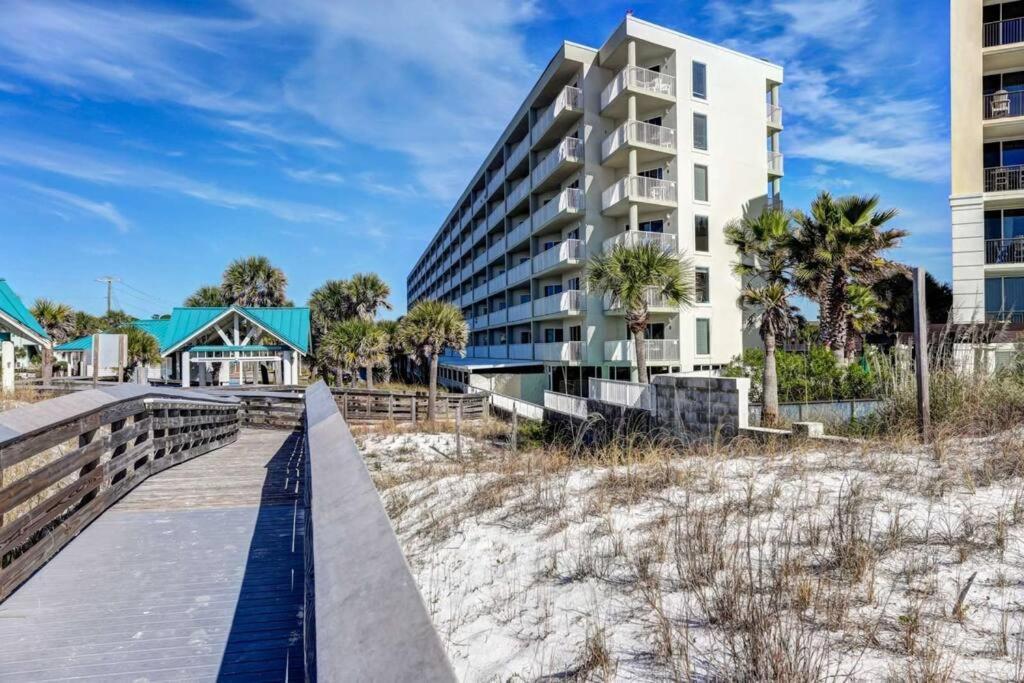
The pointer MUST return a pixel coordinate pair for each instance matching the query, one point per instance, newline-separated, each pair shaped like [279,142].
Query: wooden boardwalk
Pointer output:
[197,574]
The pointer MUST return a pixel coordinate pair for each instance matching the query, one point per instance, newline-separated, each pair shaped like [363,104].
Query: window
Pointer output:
[700,183]
[654,331]
[524,336]
[702,287]
[700,80]
[572,283]
[1004,295]
[548,245]
[553,335]
[573,234]
[654,121]
[700,132]
[550,290]
[575,333]
[703,337]
[652,173]
[524,298]
[652,226]
[700,234]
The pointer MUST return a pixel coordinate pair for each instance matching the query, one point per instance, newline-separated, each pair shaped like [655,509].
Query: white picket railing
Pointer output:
[569,251]
[658,350]
[565,403]
[637,188]
[652,297]
[559,351]
[519,312]
[639,133]
[639,78]
[569,301]
[631,238]
[630,394]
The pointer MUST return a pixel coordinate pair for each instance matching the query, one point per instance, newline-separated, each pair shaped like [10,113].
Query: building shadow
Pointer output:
[265,641]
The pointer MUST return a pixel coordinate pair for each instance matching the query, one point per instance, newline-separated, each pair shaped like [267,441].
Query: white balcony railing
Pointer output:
[497,317]
[478,322]
[569,150]
[653,298]
[518,233]
[520,351]
[496,215]
[519,312]
[629,394]
[518,193]
[497,351]
[774,115]
[480,292]
[775,162]
[641,79]
[569,251]
[568,201]
[496,180]
[569,301]
[519,273]
[478,233]
[496,250]
[631,238]
[570,99]
[635,188]
[467,271]
[479,202]
[639,133]
[658,350]
[559,351]
[480,261]
[518,153]
[566,403]
[496,283]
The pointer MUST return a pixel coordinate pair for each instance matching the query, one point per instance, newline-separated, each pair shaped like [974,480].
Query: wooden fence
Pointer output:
[380,406]
[66,460]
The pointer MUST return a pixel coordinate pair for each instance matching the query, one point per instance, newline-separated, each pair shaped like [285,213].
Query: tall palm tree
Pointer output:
[329,304]
[864,316]
[207,296]
[59,322]
[632,274]
[766,266]
[255,282]
[430,328]
[339,346]
[394,348]
[368,293]
[143,348]
[839,243]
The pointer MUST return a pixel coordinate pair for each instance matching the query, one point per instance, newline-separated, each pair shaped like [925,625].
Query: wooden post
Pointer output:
[122,342]
[95,360]
[515,427]
[924,426]
[412,400]
[458,431]
[391,407]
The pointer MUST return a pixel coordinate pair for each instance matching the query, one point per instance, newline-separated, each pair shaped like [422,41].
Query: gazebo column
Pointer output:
[186,369]
[286,363]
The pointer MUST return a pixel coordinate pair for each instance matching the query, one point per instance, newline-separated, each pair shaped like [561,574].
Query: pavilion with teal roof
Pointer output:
[16,320]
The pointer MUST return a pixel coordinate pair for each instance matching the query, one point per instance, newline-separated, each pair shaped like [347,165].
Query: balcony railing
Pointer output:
[665,240]
[496,215]
[520,351]
[480,292]
[496,180]
[518,153]
[520,272]
[569,301]
[496,283]
[635,188]
[658,350]
[496,250]
[568,251]
[639,133]
[569,150]
[621,393]
[639,78]
[1007,317]
[478,233]
[467,271]
[774,115]
[774,203]
[1002,32]
[653,298]
[560,351]
[1010,250]
[478,322]
[1004,178]
[498,317]
[479,202]
[480,261]
[566,403]
[518,233]
[518,193]
[775,163]
[1003,104]
[570,99]
[569,201]
[520,312]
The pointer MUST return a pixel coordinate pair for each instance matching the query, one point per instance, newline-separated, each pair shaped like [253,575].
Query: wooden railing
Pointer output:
[66,460]
[382,406]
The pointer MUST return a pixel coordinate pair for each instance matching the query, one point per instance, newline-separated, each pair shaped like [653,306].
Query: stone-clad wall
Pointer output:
[702,406]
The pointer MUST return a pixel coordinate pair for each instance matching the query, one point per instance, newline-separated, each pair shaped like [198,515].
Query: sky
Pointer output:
[154,142]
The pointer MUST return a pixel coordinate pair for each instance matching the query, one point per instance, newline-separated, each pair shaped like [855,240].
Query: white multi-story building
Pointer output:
[656,136]
[987,130]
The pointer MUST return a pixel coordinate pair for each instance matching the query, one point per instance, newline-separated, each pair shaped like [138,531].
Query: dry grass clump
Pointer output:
[22,396]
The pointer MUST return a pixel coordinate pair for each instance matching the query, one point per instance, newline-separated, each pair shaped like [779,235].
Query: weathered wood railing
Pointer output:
[364,618]
[378,406]
[66,460]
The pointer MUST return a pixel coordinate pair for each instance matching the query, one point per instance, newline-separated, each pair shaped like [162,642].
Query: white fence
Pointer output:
[564,403]
[629,394]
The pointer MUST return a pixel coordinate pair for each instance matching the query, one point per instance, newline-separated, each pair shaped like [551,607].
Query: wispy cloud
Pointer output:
[310,175]
[103,210]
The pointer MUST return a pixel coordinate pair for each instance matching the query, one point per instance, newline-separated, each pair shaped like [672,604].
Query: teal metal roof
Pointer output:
[185,322]
[12,307]
[250,347]
[157,328]
[80,344]
[290,325]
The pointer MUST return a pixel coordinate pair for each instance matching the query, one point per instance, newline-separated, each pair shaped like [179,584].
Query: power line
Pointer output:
[146,294]
[110,288]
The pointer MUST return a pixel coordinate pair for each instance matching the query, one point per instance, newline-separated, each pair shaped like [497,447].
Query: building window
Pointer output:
[700,80]
[702,290]
[1004,295]
[524,336]
[572,283]
[652,226]
[700,234]
[553,335]
[550,290]
[655,173]
[700,183]
[700,132]
[575,333]
[703,337]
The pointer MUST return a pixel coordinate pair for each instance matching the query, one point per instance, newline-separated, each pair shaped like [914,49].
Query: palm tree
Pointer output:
[394,348]
[143,348]
[838,244]
[207,296]
[254,282]
[59,322]
[339,346]
[864,316]
[766,266]
[329,304]
[632,274]
[430,328]
[368,293]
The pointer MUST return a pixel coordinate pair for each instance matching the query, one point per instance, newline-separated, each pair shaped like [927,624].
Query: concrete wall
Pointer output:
[701,407]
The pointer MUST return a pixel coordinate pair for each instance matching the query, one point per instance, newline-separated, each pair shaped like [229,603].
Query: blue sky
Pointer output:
[157,141]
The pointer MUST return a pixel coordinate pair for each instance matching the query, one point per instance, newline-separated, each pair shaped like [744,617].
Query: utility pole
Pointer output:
[110,284]
[921,355]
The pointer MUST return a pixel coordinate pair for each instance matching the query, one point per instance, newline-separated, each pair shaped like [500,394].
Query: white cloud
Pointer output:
[103,210]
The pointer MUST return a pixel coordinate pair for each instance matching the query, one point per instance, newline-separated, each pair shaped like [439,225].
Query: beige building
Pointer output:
[655,136]
[987,200]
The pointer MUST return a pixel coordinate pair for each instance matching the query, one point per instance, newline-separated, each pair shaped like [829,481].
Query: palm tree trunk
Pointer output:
[850,348]
[769,383]
[339,376]
[838,318]
[640,349]
[432,389]
[47,365]
[369,376]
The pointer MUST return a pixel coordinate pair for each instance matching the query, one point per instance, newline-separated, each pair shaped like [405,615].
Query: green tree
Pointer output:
[329,304]
[766,266]
[863,316]
[59,322]
[429,329]
[394,349]
[115,319]
[634,276]
[254,282]
[85,325]
[207,296]
[368,293]
[143,348]
[339,348]
[895,296]
[839,243]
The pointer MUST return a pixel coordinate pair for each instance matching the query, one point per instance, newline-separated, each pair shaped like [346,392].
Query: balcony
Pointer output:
[1003,113]
[560,351]
[665,240]
[655,300]
[652,88]
[562,256]
[1004,179]
[496,284]
[1009,250]
[464,220]
[517,274]
[498,351]
[997,33]
[569,302]
[648,192]
[480,292]
[774,116]
[466,272]
[517,194]
[478,322]
[497,180]
[651,142]
[558,164]
[478,233]
[775,163]
[658,351]
[496,215]
[496,250]
[476,352]
[520,351]
[517,154]
[519,312]
[774,203]
[552,123]
[478,203]
[518,235]
[479,262]
[561,208]
[498,317]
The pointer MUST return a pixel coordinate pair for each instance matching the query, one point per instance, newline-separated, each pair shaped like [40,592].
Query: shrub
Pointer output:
[812,376]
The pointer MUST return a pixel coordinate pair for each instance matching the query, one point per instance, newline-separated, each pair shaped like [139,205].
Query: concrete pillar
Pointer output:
[186,369]
[7,366]
[286,364]
[631,53]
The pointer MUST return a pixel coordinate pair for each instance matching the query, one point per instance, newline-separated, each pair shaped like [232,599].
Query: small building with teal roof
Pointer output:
[16,320]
